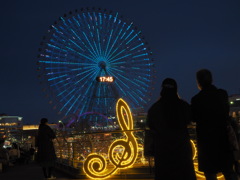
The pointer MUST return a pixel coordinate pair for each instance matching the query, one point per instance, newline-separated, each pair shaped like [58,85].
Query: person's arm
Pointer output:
[51,133]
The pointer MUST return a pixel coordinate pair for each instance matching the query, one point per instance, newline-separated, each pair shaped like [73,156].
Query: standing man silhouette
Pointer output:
[210,110]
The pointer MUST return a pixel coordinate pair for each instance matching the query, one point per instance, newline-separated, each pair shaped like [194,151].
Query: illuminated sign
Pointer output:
[109,79]
[122,153]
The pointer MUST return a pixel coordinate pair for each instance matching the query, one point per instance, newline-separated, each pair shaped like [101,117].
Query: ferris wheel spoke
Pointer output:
[124,39]
[100,34]
[133,41]
[113,60]
[145,91]
[110,53]
[137,46]
[132,97]
[98,50]
[76,44]
[124,78]
[84,78]
[91,34]
[95,29]
[106,30]
[84,66]
[59,87]
[110,37]
[54,77]
[74,101]
[123,34]
[65,48]
[67,101]
[128,35]
[84,96]
[82,41]
[63,35]
[89,58]
[56,47]
[76,21]
[117,35]
[140,98]
[130,40]
[140,55]
[114,68]
[70,108]
[128,80]
[90,45]
[68,85]
[112,57]
[140,81]
[119,87]
[64,97]
[57,77]
[86,71]
[99,43]
[94,50]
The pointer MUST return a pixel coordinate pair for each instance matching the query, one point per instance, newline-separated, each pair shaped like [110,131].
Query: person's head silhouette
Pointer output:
[44,121]
[169,88]
[204,78]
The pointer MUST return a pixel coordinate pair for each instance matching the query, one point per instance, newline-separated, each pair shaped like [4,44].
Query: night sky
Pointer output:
[184,36]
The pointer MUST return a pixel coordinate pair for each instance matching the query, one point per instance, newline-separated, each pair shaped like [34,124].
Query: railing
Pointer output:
[73,149]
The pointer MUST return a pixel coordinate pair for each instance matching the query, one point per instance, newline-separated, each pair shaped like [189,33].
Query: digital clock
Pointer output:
[109,79]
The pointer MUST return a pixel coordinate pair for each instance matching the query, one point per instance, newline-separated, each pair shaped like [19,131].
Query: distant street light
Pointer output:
[63,125]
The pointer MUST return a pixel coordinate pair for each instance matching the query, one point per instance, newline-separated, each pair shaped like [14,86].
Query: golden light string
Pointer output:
[95,166]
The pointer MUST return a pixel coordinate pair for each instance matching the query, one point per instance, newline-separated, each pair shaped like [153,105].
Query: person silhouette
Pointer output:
[168,118]
[45,149]
[210,111]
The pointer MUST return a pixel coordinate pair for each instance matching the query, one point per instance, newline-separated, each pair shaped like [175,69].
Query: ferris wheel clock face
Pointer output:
[88,46]
[108,79]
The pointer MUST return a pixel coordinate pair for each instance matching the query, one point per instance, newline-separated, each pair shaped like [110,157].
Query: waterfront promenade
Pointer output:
[32,171]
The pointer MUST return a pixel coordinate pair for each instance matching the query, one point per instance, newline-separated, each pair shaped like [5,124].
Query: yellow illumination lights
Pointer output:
[95,165]
[199,173]
[122,153]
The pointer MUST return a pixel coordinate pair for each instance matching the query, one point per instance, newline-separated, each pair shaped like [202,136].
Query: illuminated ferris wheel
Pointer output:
[91,57]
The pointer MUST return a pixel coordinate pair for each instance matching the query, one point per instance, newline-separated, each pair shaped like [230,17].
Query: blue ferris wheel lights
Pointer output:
[75,47]
[135,68]
[57,77]
[113,60]
[132,38]
[133,98]
[140,55]
[136,47]
[115,18]
[129,35]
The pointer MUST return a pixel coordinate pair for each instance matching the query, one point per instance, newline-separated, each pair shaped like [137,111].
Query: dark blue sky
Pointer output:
[184,36]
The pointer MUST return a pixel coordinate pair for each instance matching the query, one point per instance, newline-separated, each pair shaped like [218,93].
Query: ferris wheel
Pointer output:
[91,57]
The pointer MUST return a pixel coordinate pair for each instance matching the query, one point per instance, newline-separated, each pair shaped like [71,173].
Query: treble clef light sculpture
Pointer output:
[95,165]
